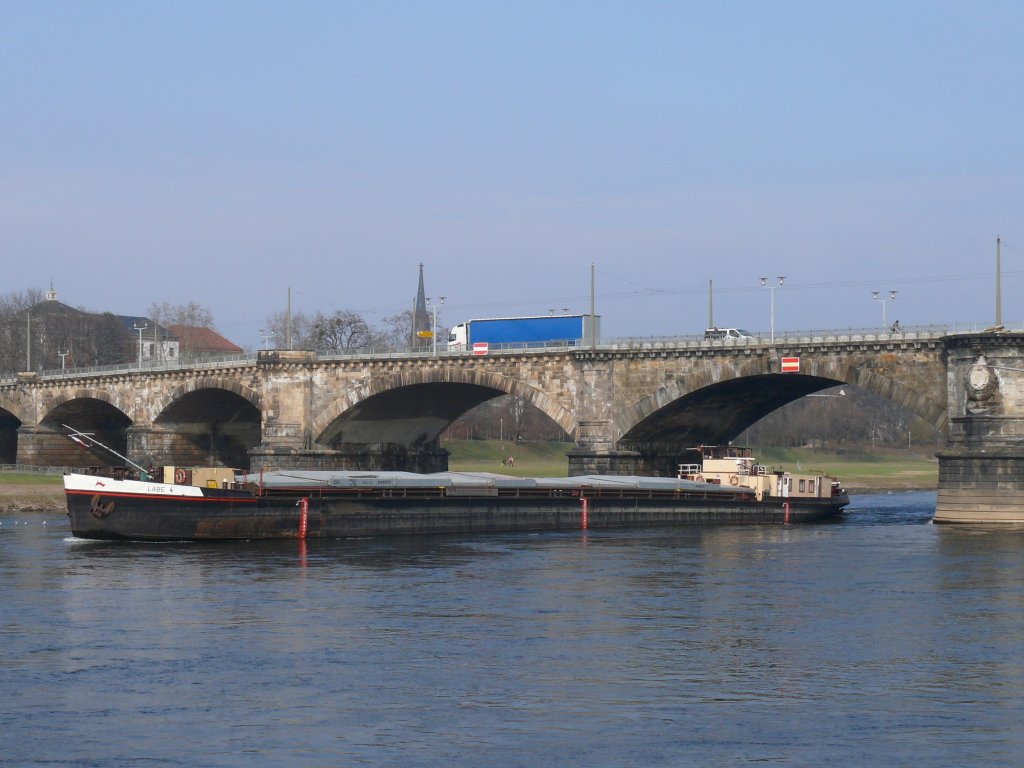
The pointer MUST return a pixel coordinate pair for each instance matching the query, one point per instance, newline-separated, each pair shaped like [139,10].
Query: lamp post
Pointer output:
[892,296]
[62,355]
[434,331]
[771,290]
[266,338]
[140,329]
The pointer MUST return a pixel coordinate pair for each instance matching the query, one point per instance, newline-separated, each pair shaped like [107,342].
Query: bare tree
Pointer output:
[344,331]
[298,331]
[191,314]
[397,331]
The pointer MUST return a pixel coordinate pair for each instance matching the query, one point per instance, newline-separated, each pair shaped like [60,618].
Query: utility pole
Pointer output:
[593,314]
[288,322]
[711,305]
[999,292]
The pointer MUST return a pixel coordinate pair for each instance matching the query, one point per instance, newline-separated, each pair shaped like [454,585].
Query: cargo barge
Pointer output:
[216,504]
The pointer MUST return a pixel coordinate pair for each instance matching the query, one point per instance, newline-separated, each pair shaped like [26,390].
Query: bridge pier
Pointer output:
[44,447]
[155,446]
[981,472]
[661,462]
[359,457]
[597,454]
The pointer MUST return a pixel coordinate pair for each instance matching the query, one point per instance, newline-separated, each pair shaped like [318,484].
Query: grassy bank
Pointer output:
[880,470]
[877,470]
[530,459]
[27,479]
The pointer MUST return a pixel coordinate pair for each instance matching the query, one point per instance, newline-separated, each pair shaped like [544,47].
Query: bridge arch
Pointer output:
[10,421]
[690,410]
[473,386]
[99,412]
[64,401]
[207,420]
[199,383]
[14,407]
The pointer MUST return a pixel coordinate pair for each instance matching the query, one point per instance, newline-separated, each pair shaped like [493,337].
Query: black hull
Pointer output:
[222,515]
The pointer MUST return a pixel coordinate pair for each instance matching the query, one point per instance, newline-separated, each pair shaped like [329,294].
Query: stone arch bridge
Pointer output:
[630,408]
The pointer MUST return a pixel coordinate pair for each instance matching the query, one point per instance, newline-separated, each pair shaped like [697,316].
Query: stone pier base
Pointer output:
[981,486]
[368,458]
[591,461]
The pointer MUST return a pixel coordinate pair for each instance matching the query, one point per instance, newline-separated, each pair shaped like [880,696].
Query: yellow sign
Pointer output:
[425,334]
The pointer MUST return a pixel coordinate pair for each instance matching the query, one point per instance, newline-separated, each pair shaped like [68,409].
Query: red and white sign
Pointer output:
[479,347]
[791,365]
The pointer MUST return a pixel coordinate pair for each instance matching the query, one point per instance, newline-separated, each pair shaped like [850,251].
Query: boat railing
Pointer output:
[689,469]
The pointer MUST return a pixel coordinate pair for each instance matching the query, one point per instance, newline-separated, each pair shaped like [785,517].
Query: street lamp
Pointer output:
[434,332]
[266,338]
[771,289]
[140,329]
[62,355]
[892,296]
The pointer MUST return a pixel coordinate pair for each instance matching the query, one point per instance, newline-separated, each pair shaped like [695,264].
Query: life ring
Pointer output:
[734,480]
[179,475]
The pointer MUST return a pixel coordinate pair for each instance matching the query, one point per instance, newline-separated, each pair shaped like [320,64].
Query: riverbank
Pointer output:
[30,493]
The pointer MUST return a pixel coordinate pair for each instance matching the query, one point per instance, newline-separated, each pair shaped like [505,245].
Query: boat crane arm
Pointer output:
[83,437]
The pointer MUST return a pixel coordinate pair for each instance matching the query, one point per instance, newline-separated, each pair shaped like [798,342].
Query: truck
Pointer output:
[481,335]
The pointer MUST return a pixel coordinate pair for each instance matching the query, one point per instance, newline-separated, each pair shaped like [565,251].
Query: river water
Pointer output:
[878,640]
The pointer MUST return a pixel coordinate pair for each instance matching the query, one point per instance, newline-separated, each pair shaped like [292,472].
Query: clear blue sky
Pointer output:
[220,152]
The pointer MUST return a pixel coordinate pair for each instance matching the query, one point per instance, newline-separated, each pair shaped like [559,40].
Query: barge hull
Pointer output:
[224,515]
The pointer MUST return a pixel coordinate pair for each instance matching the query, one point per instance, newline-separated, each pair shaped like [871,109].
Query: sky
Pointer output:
[224,152]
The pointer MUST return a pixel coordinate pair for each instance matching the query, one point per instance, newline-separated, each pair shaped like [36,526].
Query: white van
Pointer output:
[727,334]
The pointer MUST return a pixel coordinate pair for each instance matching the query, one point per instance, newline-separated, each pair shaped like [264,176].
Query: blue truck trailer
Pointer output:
[532,332]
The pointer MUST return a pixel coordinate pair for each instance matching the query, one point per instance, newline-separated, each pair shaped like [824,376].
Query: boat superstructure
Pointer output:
[736,467]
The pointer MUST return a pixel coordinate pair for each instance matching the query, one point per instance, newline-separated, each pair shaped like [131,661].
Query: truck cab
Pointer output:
[727,334]
[458,337]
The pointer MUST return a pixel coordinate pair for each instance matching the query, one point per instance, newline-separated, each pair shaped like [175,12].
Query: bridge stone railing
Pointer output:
[782,338]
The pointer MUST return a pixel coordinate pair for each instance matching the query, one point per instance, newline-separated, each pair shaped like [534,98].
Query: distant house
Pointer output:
[197,341]
[157,342]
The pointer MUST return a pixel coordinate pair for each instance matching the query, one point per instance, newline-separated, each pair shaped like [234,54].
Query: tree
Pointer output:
[344,331]
[296,333]
[14,329]
[397,331]
[190,314]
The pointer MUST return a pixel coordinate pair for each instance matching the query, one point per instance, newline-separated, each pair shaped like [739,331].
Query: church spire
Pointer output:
[420,319]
